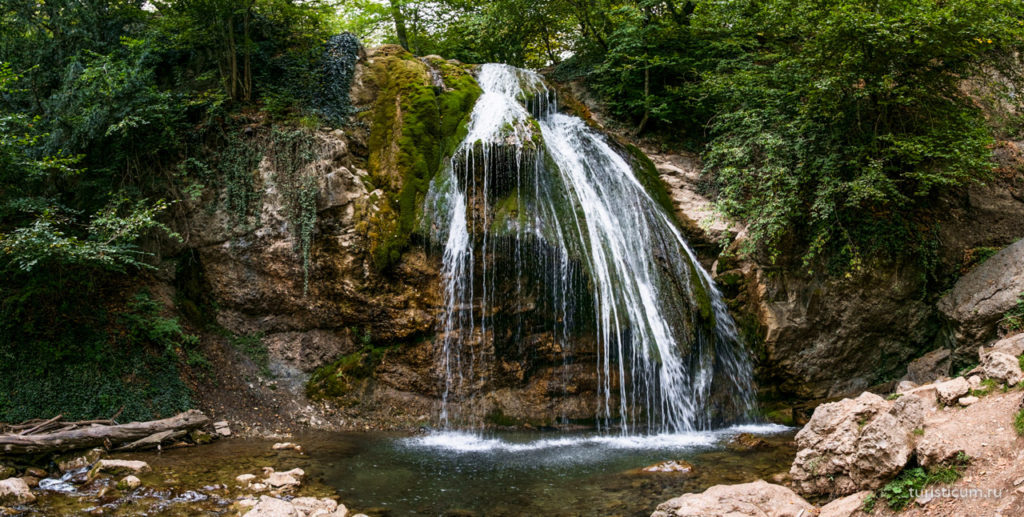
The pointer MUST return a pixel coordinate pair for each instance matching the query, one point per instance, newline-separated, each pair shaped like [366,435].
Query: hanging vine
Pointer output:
[290,152]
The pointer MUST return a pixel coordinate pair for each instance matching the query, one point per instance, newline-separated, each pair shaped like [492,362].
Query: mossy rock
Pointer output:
[340,377]
[414,127]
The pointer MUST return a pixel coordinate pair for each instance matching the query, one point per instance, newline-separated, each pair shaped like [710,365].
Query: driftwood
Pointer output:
[29,440]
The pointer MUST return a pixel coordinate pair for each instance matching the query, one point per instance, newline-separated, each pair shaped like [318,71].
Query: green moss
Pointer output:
[414,127]
[701,296]
[647,174]
[506,210]
[338,378]
[781,416]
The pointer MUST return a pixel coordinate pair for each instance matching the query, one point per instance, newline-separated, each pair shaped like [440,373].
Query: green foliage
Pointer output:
[1013,320]
[290,152]
[869,503]
[87,360]
[901,491]
[337,67]
[1018,422]
[843,139]
[252,346]
[340,377]
[987,386]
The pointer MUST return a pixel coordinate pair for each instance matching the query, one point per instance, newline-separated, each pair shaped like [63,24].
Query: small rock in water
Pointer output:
[129,483]
[15,491]
[286,446]
[35,472]
[290,478]
[245,479]
[311,506]
[222,428]
[967,401]
[77,461]
[679,466]
[31,481]
[745,441]
[116,467]
[273,507]
[258,487]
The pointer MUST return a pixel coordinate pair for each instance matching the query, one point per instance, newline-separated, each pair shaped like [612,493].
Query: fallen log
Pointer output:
[98,435]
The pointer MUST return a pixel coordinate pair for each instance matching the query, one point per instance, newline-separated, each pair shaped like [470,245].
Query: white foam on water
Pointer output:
[466,442]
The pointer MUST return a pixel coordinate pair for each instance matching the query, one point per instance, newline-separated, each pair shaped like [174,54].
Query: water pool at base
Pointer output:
[443,474]
[504,474]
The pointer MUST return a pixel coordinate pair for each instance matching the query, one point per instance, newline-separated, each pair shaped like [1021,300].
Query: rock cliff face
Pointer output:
[341,286]
[819,336]
[343,291]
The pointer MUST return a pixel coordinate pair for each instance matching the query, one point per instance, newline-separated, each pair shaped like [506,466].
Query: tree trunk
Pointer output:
[647,99]
[399,18]
[99,435]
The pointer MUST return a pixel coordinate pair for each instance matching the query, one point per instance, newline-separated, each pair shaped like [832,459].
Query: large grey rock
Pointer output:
[980,299]
[15,491]
[855,444]
[950,391]
[1001,367]
[1011,345]
[758,499]
[929,367]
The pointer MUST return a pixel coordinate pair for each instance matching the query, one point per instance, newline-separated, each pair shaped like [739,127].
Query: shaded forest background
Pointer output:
[828,127]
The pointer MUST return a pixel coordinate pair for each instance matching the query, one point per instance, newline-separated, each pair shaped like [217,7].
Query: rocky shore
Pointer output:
[96,482]
[947,447]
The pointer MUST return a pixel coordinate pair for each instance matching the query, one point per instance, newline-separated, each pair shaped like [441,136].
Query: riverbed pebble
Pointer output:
[129,483]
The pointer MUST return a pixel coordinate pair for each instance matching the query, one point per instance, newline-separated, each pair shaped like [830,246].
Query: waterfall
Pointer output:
[538,212]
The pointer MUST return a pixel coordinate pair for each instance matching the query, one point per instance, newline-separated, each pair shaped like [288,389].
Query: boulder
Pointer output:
[222,428]
[1002,367]
[978,301]
[273,507]
[950,391]
[855,444]
[1012,345]
[845,506]
[905,386]
[31,481]
[759,498]
[929,367]
[117,467]
[15,491]
[933,450]
[323,507]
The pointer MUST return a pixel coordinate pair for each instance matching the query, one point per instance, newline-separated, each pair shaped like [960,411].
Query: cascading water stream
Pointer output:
[538,196]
